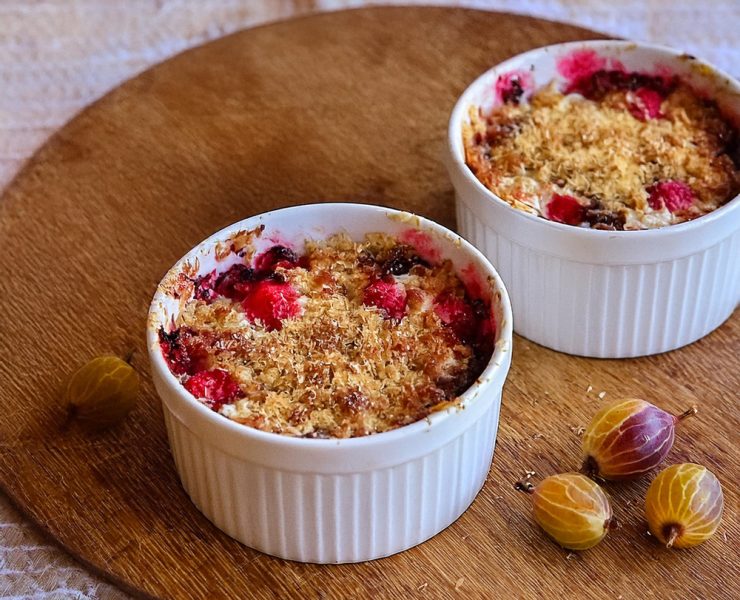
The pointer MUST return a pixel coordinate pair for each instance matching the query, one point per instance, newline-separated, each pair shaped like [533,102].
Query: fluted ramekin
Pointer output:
[335,500]
[599,293]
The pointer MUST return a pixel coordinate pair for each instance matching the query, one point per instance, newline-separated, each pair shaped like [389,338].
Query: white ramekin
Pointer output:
[598,293]
[336,500]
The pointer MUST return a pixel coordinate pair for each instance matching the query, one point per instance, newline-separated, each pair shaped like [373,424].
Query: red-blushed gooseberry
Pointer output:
[627,438]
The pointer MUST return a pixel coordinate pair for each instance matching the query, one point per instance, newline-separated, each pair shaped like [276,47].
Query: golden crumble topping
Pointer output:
[347,340]
[626,153]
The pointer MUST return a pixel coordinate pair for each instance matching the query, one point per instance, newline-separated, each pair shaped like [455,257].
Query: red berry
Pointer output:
[271,302]
[565,209]
[644,104]
[675,195]
[216,386]
[456,313]
[388,296]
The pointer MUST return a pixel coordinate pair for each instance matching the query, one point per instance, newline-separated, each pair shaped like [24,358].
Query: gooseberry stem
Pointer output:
[673,532]
[689,413]
[590,467]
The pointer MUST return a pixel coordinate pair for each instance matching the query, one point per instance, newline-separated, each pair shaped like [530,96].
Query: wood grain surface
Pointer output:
[344,106]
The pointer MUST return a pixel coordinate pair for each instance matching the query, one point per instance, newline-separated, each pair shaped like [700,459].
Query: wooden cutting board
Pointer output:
[344,106]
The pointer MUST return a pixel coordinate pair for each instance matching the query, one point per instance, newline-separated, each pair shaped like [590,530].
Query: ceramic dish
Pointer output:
[603,293]
[335,500]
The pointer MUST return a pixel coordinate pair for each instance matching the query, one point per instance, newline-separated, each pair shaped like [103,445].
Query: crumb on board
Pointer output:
[459,582]
[601,395]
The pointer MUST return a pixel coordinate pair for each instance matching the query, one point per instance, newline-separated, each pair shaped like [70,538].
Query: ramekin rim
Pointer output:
[457,158]
[498,362]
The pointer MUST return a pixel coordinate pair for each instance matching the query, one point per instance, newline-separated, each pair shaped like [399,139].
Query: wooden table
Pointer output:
[342,106]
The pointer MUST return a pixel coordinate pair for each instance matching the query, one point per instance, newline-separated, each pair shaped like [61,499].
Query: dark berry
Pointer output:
[513,93]
[236,282]
[277,256]
[600,218]
[400,260]
[596,85]
[182,350]
[204,287]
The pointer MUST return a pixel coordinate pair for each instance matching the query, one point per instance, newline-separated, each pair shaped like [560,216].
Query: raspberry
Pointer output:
[277,256]
[235,283]
[565,209]
[183,353]
[675,195]
[456,313]
[216,386]
[271,302]
[388,296]
[644,104]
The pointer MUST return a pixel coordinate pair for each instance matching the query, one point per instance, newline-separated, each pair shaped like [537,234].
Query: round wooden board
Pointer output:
[344,106]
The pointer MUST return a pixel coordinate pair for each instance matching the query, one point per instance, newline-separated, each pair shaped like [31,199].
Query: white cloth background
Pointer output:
[57,56]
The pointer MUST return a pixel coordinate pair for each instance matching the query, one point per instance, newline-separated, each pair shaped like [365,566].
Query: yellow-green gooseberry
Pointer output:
[102,392]
[572,509]
[684,505]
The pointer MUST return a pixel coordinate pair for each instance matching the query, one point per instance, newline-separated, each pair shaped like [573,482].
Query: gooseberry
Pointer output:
[684,505]
[572,509]
[627,438]
[102,392]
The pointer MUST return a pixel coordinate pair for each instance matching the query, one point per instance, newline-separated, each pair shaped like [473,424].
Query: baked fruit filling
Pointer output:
[611,150]
[348,339]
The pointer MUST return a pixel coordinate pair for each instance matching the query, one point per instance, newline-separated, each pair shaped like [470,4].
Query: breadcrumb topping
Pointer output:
[341,364]
[606,154]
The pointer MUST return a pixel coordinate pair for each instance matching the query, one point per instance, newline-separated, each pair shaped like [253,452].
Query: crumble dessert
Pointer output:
[348,339]
[612,150]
